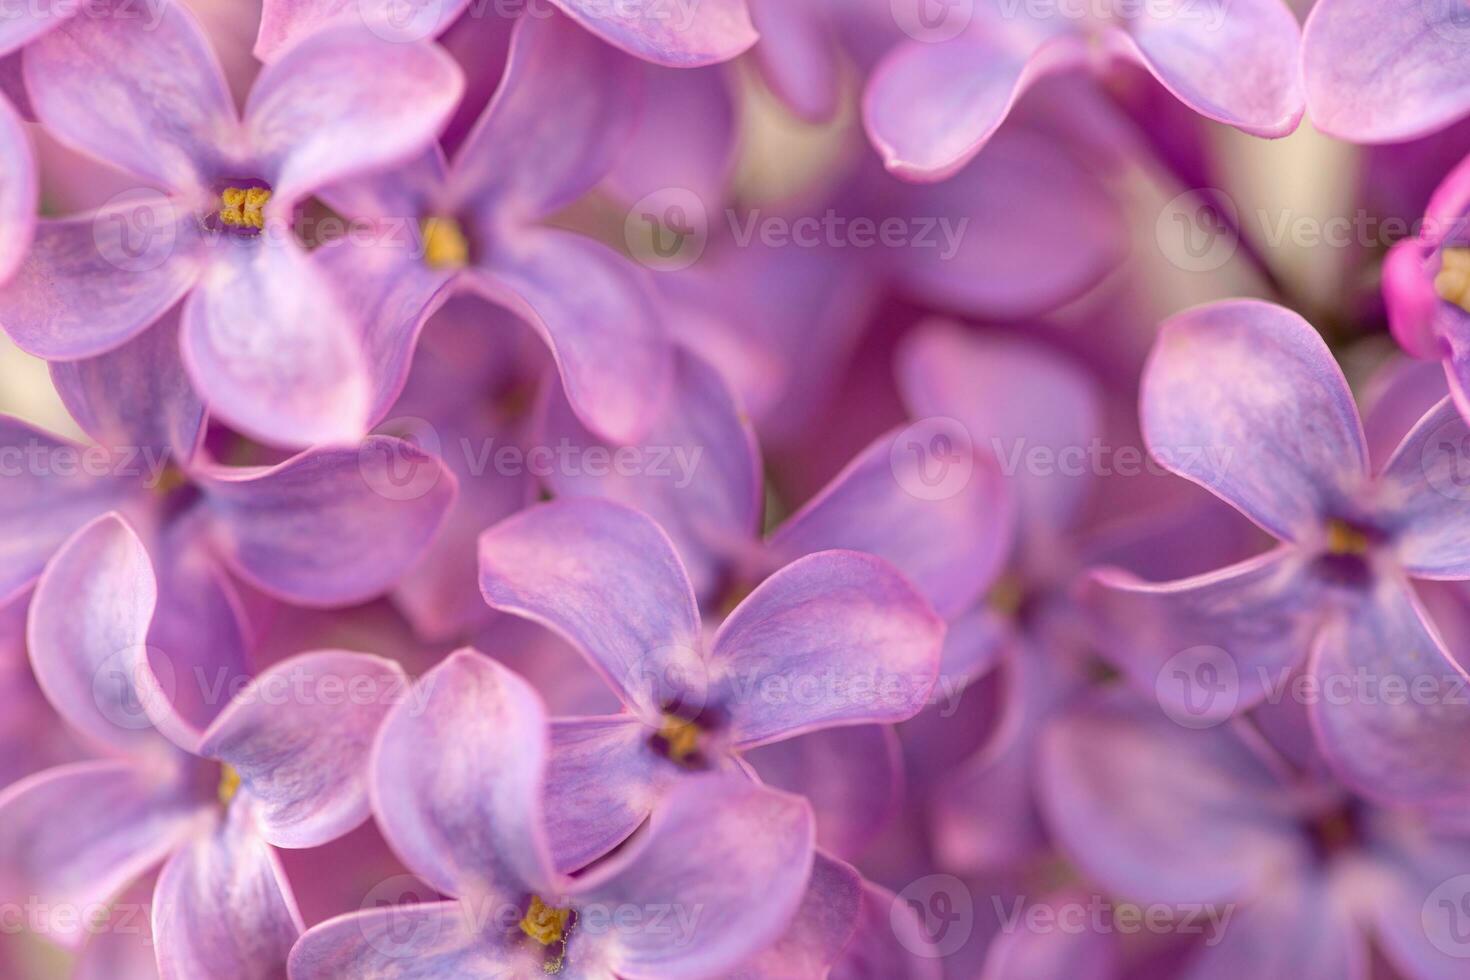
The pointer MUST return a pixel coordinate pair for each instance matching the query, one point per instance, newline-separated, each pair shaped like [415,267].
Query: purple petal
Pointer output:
[1423,497]
[286,367]
[985,385]
[596,312]
[606,578]
[1394,739]
[1075,953]
[929,108]
[1385,71]
[853,778]
[1299,927]
[478,727]
[798,56]
[18,191]
[1158,812]
[1214,644]
[950,545]
[696,472]
[137,397]
[145,94]
[329,526]
[431,941]
[298,736]
[1395,398]
[42,507]
[1417,908]
[1235,64]
[223,907]
[287,22]
[559,121]
[821,928]
[704,34]
[1244,398]
[844,634]
[90,284]
[344,102]
[889,942]
[715,841]
[88,632]
[74,836]
[663,151]
[602,781]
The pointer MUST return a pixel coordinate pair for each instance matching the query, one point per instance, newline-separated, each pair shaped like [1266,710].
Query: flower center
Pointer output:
[445,246]
[1453,280]
[544,923]
[243,207]
[1344,539]
[229,784]
[680,737]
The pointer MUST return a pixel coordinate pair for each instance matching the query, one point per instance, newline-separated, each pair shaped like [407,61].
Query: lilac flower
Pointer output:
[18,191]
[710,846]
[1385,71]
[835,638]
[205,804]
[549,135]
[680,36]
[1244,399]
[325,527]
[930,107]
[1308,871]
[263,338]
[1426,285]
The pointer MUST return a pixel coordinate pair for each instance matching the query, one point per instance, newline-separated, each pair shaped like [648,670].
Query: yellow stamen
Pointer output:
[243,207]
[545,924]
[1343,539]
[1006,595]
[445,246]
[681,735]
[170,480]
[1453,281]
[229,784]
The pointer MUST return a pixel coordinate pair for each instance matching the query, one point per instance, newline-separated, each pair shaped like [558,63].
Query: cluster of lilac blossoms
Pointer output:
[791,489]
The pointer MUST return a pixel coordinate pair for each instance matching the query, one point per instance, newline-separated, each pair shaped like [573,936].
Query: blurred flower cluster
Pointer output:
[762,489]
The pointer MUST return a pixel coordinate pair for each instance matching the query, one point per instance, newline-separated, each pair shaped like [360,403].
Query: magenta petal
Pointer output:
[597,313]
[889,942]
[1235,64]
[74,836]
[1423,494]
[344,102]
[1417,908]
[222,907]
[329,526]
[39,511]
[1084,953]
[557,124]
[90,284]
[844,634]
[88,631]
[715,841]
[1214,644]
[1385,71]
[1298,927]
[145,94]
[298,735]
[696,471]
[431,941]
[853,778]
[286,367]
[821,928]
[136,398]
[949,544]
[703,34]
[1157,812]
[606,578]
[1394,739]
[18,191]
[602,781]
[468,725]
[1244,398]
